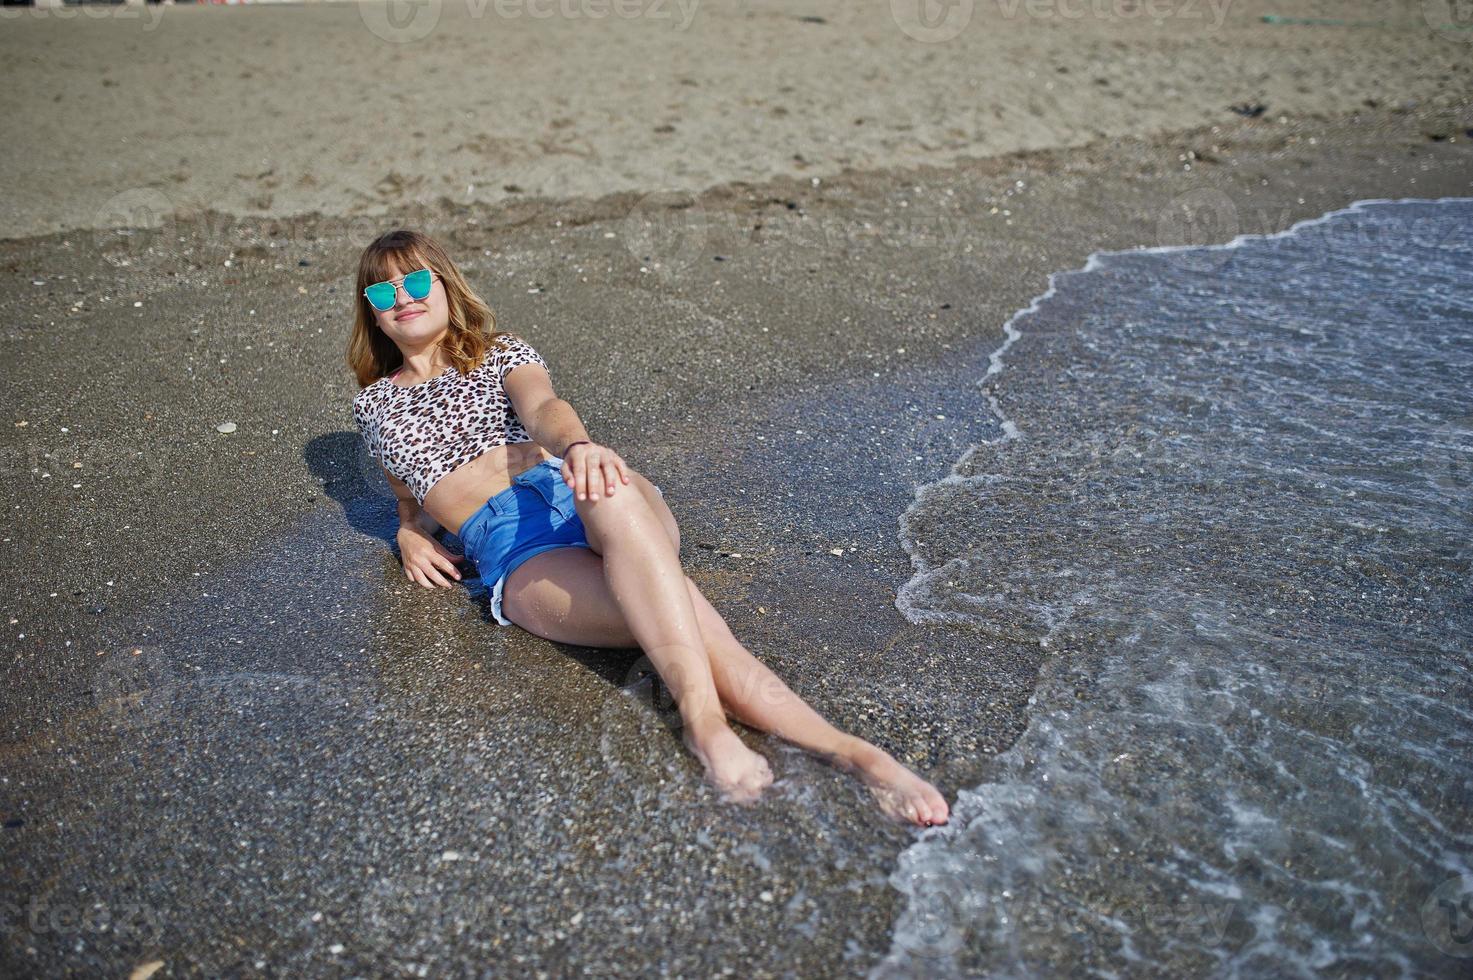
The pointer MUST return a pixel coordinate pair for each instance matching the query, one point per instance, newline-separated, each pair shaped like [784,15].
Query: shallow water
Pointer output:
[1232,503]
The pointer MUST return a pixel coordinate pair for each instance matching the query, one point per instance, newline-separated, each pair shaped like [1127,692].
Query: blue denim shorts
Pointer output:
[535,514]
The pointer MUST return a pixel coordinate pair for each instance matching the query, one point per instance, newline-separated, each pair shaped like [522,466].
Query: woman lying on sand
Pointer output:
[581,548]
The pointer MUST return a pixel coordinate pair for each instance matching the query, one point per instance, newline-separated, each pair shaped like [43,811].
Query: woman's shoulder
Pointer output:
[368,396]
[506,343]
[370,391]
[516,351]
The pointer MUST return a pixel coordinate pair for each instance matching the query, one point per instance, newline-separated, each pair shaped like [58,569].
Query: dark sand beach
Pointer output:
[231,724]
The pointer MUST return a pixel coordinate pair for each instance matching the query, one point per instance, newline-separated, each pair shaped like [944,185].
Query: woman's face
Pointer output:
[414,323]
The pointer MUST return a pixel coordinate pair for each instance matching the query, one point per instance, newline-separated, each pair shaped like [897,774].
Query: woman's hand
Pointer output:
[425,559]
[589,466]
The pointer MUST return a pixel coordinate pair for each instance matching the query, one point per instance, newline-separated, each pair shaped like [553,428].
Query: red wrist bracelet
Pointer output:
[570,445]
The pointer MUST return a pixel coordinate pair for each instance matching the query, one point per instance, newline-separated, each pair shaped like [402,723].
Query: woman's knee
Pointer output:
[595,513]
[656,501]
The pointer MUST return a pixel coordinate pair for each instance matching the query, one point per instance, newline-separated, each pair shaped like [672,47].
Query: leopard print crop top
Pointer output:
[421,432]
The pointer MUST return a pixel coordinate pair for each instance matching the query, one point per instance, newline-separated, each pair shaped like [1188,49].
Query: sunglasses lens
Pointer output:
[417,284]
[381,295]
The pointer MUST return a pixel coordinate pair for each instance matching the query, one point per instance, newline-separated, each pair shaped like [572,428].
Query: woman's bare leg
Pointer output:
[757,697]
[565,595]
[644,576]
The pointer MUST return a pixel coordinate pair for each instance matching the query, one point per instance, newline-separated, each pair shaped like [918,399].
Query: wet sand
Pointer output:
[231,724]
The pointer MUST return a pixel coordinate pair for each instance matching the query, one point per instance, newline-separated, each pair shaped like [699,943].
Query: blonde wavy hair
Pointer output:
[371,354]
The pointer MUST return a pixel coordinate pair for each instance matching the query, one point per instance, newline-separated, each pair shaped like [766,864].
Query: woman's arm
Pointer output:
[425,559]
[552,424]
[411,515]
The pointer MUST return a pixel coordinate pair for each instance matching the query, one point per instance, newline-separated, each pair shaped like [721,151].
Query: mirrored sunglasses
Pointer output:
[383,294]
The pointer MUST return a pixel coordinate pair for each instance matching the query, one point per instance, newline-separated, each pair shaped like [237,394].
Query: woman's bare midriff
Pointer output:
[464,490]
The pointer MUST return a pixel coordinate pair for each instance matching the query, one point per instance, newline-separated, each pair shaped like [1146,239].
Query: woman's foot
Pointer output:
[902,795]
[738,773]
